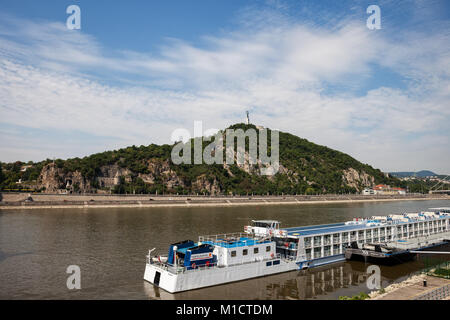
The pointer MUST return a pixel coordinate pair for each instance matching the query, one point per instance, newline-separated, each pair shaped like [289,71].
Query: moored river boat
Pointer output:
[264,248]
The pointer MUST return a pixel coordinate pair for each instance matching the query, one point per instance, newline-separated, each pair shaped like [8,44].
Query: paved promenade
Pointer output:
[412,288]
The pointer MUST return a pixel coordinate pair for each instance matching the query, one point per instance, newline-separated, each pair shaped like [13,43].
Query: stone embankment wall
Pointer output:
[36,200]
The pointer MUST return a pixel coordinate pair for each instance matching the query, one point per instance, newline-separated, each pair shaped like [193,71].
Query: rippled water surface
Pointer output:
[109,246]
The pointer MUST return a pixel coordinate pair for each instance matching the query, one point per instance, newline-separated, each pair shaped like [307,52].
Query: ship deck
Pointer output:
[242,242]
[320,229]
[232,240]
[420,243]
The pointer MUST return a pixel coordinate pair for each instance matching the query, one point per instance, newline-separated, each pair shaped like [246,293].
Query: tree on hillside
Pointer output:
[1,176]
[307,168]
[120,188]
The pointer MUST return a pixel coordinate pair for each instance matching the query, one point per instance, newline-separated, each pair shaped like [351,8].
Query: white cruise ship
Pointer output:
[264,248]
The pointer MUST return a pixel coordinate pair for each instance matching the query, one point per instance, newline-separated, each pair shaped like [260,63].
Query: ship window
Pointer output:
[268,249]
[268,264]
[233,253]
[276,262]
[255,250]
[244,252]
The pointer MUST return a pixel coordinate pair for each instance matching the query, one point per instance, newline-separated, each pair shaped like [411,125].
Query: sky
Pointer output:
[138,70]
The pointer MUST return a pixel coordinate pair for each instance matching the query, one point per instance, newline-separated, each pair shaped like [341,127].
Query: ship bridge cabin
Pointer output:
[263,227]
[286,246]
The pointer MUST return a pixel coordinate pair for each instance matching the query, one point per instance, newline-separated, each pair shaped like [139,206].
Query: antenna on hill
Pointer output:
[248,118]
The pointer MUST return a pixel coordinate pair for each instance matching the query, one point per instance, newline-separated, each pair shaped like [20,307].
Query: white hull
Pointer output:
[224,258]
[195,279]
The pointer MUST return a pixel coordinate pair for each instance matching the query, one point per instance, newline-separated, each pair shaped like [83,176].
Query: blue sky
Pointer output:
[135,25]
[138,70]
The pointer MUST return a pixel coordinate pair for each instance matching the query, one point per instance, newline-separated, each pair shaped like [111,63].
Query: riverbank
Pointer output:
[58,201]
[410,289]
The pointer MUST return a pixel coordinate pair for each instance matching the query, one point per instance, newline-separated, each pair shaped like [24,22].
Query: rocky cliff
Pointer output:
[304,168]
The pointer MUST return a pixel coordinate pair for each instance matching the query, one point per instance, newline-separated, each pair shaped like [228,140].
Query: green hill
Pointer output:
[305,168]
[419,174]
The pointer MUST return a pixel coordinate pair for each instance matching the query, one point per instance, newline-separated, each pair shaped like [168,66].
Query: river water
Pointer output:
[109,246]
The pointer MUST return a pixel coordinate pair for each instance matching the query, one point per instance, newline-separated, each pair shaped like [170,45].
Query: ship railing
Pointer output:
[287,257]
[150,259]
[436,294]
[161,265]
[180,268]
[235,235]
[183,269]
[229,240]
[420,241]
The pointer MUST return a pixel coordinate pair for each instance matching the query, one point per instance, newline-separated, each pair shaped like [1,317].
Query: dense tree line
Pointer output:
[312,169]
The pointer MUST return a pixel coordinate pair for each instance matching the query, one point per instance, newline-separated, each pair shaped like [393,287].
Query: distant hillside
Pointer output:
[420,174]
[305,168]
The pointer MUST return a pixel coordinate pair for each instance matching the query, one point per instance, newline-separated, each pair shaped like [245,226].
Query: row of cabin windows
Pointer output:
[245,251]
[269,263]
[318,240]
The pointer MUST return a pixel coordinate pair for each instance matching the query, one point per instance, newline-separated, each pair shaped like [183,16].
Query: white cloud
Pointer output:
[50,80]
